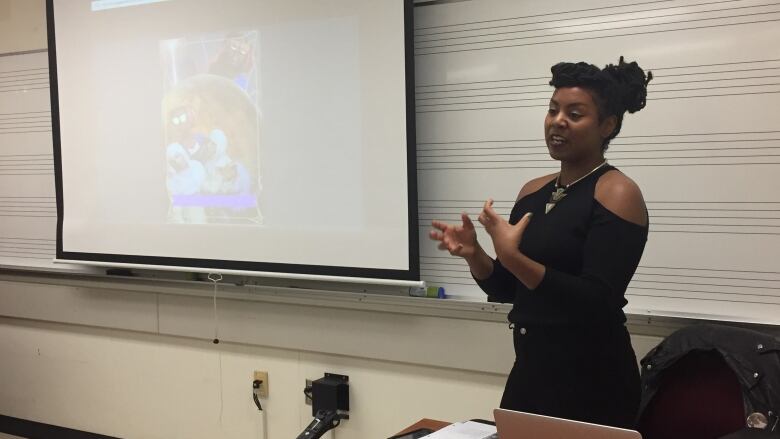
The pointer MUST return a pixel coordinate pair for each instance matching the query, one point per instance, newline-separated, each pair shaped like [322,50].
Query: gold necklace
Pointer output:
[560,191]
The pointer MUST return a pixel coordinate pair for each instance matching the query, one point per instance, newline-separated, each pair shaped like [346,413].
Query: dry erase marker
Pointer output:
[431,292]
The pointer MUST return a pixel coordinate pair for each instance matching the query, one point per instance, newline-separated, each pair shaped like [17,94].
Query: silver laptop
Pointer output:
[519,425]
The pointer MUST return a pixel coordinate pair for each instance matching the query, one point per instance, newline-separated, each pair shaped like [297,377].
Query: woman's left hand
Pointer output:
[506,237]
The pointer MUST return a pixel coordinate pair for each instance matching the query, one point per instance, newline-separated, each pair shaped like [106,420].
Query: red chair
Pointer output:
[698,397]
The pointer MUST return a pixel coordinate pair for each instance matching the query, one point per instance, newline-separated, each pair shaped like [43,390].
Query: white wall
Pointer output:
[135,360]
[142,386]
[22,25]
[117,358]
[158,376]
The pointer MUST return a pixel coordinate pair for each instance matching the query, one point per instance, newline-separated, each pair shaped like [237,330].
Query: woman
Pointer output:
[566,256]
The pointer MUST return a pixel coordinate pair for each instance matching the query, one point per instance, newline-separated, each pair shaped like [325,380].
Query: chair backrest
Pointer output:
[698,397]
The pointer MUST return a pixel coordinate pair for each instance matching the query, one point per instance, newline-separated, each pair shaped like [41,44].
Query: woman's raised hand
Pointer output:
[459,240]
[506,237]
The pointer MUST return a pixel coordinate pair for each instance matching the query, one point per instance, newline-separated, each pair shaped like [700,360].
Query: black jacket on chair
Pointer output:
[753,356]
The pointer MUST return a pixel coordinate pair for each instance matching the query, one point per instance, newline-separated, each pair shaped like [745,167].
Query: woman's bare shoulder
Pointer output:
[622,196]
[535,184]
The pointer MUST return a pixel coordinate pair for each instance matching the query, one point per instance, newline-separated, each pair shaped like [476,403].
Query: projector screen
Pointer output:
[253,135]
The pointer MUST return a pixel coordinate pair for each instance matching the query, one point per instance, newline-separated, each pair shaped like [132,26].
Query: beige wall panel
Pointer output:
[139,386]
[147,386]
[82,306]
[385,395]
[22,25]
[367,334]
[643,344]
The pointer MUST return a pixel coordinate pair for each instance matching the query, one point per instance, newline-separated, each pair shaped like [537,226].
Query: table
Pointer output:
[425,423]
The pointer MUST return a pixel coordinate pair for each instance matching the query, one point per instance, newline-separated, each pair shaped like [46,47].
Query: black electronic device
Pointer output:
[416,434]
[323,421]
[330,393]
[330,404]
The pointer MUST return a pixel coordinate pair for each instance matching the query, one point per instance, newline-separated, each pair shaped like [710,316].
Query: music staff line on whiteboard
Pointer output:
[772,276]
[546,88]
[556,13]
[545,104]
[712,217]
[472,98]
[578,22]
[584,38]
[25,122]
[28,248]
[32,165]
[748,289]
[660,78]
[714,149]
[24,80]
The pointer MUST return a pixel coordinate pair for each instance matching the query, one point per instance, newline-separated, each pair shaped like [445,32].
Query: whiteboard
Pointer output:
[28,208]
[28,205]
[705,151]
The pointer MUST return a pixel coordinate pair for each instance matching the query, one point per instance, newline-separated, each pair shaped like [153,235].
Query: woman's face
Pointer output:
[572,129]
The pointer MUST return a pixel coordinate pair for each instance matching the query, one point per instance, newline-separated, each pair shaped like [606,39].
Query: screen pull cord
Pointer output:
[216,278]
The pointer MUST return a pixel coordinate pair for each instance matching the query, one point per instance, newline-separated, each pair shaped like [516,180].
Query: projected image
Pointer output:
[211,123]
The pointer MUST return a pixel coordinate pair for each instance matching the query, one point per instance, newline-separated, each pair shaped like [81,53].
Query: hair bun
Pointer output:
[565,73]
[632,82]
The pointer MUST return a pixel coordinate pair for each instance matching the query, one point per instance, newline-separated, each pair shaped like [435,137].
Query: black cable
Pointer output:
[255,390]
[324,421]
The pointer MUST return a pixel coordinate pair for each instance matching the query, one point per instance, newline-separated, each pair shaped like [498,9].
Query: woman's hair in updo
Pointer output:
[615,88]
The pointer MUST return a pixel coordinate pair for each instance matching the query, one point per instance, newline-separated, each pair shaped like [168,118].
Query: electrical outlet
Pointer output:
[262,376]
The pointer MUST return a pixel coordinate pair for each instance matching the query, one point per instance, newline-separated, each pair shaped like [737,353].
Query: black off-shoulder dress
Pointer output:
[573,353]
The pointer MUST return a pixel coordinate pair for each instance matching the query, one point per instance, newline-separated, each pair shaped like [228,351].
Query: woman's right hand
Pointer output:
[459,240]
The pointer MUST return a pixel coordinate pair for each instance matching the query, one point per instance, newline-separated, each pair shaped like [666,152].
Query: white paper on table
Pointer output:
[464,430]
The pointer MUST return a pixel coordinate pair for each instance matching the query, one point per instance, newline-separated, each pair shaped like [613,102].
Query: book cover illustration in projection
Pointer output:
[272,137]
[210,114]
[704,151]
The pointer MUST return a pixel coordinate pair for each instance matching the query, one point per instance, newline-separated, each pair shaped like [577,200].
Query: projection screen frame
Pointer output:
[410,277]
